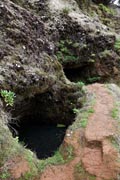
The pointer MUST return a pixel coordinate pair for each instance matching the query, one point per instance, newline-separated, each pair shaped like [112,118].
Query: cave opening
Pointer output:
[83,74]
[42,124]
[42,139]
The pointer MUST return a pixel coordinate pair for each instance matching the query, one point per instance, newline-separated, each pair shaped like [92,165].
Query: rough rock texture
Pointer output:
[28,68]
[34,35]
[108,15]
[26,65]
[85,39]
[86,43]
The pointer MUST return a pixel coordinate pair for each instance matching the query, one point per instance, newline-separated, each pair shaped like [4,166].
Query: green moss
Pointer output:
[68,152]
[80,172]
[65,11]
[115,143]
[67,51]
[83,116]
[5,175]
[117,44]
[80,83]
[106,9]
[106,53]
[84,113]
[114,113]
[93,79]
[83,122]
[84,4]
[55,160]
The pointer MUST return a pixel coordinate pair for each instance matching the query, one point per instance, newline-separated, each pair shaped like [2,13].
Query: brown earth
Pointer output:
[17,167]
[97,155]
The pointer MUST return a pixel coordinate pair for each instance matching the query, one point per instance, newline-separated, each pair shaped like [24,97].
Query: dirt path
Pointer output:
[98,156]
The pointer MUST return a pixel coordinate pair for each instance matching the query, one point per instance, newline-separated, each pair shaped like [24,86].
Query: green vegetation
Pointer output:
[106,53]
[84,113]
[67,51]
[80,83]
[93,79]
[75,111]
[8,97]
[83,116]
[106,9]
[83,122]
[60,125]
[114,113]
[5,175]
[117,44]
[81,173]
[56,159]
[115,143]
[69,153]
[65,11]
[27,176]
[31,159]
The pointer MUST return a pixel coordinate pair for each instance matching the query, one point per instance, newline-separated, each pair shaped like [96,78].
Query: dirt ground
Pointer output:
[97,155]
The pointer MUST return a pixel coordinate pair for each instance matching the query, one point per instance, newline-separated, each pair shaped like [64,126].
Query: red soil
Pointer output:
[98,156]
[92,146]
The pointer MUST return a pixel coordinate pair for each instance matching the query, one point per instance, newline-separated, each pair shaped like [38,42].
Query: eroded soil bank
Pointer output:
[39,40]
[95,156]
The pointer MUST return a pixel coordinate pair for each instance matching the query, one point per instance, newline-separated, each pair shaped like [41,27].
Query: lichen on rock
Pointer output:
[39,41]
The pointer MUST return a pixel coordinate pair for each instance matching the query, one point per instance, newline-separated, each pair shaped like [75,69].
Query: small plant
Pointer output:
[83,122]
[93,79]
[82,173]
[75,111]
[8,97]
[54,160]
[84,117]
[70,154]
[65,11]
[5,175]
[106,9]
[61,125]
[117,44]
[115,143]
[106,53]
[114,113]
[67,51]
[81,84]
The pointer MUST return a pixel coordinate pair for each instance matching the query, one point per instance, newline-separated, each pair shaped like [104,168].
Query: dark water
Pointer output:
[43,140]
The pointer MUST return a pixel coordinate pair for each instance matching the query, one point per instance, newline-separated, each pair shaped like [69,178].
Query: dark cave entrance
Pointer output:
[44,140]
[84,74]
[75,75]
[42,124]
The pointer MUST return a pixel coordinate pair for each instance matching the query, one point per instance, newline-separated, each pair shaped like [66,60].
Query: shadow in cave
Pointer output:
[42,123]
[44,140]
[84,74]
[75,75]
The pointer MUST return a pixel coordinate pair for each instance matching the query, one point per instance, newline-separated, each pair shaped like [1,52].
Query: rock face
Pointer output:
[27,65]
[28,68]
[37,40]
[84,43]
[77,40]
